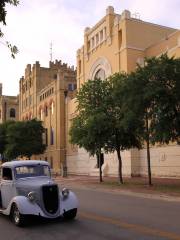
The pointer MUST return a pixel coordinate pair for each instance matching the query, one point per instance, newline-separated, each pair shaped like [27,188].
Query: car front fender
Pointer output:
[68,203]
[25,206]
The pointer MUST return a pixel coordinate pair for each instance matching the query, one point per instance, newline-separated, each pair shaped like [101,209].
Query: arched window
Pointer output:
[12,113]
[52,136]
[51,162]
[100,74]
[46,110]
[52,108]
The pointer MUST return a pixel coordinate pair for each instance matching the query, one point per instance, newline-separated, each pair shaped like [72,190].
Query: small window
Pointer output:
[12,113]
[55,76]
[52,136]
[92,42]
[52,108]
[101,35]
[79,67]
[46,136]
[51,162]
[70,87]
[97,39]
[30,83]
[7,174]
[30,99]
[46,111]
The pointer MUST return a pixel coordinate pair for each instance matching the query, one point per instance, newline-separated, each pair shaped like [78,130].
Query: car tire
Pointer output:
[71,214]
[17,218]
[0,200]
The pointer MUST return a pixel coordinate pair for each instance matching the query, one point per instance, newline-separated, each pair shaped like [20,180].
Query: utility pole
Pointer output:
[51,53]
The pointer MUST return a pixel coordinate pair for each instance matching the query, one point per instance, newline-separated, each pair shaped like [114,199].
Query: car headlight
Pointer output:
[31,196]
[65,192]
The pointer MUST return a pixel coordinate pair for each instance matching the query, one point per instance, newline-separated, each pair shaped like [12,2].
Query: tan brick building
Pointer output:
[42,95]
[9,107]
[117,43]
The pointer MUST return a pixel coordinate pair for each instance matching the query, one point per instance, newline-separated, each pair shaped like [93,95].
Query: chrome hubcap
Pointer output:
[16,215]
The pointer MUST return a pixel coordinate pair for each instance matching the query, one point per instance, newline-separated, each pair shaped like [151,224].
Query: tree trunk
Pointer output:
[148,153]
[98,155]
[100,168]
[120,166]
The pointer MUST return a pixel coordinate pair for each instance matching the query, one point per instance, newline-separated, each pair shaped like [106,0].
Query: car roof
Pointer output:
[18,163]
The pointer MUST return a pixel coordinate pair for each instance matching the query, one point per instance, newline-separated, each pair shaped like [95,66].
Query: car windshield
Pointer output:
[32,171]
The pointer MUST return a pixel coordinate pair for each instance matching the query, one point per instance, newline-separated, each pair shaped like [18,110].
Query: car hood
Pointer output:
[26,185]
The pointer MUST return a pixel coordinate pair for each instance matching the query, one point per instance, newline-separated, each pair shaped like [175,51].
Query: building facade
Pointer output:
[43,93]
[9,107]
[117,43]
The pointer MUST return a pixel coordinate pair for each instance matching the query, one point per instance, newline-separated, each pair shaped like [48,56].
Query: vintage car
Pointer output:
[27,189]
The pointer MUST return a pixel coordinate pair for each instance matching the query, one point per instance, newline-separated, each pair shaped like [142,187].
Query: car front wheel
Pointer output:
[71,214]
[17,217]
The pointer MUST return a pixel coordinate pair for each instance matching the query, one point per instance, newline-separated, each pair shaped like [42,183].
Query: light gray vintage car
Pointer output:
[28,189]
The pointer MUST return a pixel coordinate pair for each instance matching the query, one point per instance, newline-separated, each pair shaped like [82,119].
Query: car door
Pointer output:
[7,186]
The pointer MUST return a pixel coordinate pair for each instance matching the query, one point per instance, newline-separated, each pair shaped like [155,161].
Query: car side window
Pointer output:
[6,173]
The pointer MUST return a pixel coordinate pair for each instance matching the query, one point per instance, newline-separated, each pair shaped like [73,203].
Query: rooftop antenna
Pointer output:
[51,51]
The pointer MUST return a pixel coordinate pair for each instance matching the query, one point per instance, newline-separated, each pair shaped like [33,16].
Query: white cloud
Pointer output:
[34,24]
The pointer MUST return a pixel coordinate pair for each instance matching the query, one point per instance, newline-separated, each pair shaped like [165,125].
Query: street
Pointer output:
[104,215]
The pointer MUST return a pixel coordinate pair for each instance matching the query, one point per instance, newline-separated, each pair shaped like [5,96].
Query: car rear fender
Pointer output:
[68,203]
[24,205]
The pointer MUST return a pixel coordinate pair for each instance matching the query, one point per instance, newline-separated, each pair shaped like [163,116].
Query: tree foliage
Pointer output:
[123,124]
[90,128]
[154,94]
[100,123]
[24,139]
[3,138]
[3,14]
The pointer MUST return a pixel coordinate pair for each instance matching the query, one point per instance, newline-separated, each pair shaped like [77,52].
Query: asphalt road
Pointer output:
[104,215]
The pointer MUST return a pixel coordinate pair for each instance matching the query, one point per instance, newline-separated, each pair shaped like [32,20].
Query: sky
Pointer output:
[34,24]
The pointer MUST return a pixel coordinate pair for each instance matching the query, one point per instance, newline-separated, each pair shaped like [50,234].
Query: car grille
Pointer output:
[50,198]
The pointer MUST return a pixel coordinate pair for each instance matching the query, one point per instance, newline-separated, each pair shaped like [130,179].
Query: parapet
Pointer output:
[126,14]
[109,10]
[28,69]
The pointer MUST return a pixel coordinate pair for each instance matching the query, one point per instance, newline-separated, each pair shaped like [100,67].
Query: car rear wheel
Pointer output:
[71,214]
[17,218]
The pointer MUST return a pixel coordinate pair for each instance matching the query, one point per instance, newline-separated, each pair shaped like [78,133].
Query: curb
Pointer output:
[75,184]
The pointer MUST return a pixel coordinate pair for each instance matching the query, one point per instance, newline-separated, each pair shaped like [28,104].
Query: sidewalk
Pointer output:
[163,188]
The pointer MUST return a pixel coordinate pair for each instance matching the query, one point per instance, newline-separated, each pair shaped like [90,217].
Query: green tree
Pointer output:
[102,121]
[91,134]
[166,118]
[3,14]
[90,128]
[25,139]
[123,123]
[153,94]
[3,138]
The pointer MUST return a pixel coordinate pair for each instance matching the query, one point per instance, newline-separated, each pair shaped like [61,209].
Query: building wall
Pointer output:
[9,107]
[117,43]
[42,96]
